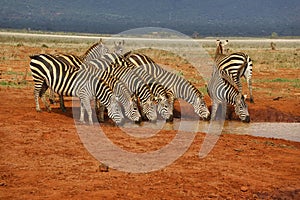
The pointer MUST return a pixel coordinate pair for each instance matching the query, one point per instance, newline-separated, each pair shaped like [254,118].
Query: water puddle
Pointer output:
[287,131]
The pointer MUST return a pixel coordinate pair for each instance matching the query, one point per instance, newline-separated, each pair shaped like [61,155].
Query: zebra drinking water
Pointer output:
[178,86]
[234,66]
[222,91]
[48,71]
[163,97]
[134,83]
[124,96]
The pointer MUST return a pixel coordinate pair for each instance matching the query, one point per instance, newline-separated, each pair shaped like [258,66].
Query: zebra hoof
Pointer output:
[170,119]
[121,123]
[246,120]
[207,118]
[139,121]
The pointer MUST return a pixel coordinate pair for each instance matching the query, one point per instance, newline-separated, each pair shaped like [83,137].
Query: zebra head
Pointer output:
[114,111]
[241,108]
[95,51]
[149,109]
[119,47]
[164,107]
[201,109]
[132,110]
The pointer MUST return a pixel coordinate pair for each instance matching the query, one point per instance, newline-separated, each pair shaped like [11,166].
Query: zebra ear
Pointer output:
[225,43]
[218,42]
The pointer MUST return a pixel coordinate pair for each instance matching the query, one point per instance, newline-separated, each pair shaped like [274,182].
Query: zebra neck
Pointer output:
[231,98]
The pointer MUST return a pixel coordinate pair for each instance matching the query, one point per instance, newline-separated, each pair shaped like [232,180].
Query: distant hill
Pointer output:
[207,18]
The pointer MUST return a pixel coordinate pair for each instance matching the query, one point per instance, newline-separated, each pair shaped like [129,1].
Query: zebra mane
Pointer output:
[92,48]
[127,54]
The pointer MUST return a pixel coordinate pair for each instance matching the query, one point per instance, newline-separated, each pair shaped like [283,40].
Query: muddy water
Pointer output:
[288,131]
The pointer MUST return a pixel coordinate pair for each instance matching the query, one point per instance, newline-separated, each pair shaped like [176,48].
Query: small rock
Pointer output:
[103,168]
[277,98]
[244,188]
[3,184]
[238,150]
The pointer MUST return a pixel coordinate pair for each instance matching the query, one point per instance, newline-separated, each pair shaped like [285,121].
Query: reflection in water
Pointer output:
[288,131]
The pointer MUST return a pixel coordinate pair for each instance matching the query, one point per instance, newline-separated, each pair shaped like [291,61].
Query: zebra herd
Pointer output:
[133,82]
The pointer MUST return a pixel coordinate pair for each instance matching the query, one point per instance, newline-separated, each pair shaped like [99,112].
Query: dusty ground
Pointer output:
[42,156]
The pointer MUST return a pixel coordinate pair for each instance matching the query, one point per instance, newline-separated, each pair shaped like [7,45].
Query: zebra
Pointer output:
[118,47]
[131,110]
[234,66]
[120,90]
[222,91]
[134,83]
[177,86]
[163,97]
[48,71]
[96,50]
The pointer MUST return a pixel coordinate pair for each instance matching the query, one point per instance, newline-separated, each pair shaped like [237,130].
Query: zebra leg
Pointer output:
[45,102]
[214,108]
[249,82]
[52,97]
[171,100]
[36,98]
[85,105]
[62,103]
[99,108]
[41,93]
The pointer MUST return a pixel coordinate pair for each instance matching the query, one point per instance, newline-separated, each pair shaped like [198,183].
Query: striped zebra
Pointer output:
[222,91]
[134,83]
[96,50]
[178,86]
[48,71]
[163,97]
[234,66]
[120,90]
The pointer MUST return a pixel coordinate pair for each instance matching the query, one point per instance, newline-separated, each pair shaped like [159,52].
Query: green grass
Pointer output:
[294,82]
[13,84]
[203,90]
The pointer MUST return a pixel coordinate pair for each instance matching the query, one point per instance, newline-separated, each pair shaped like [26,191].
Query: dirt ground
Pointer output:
[42,156]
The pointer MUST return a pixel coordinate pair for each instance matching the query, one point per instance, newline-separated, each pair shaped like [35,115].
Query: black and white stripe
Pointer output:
[124,96]
[222,91]
[177,86]
[164,103]
[234,66]
[48,71]
[95,51]
[133,82]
